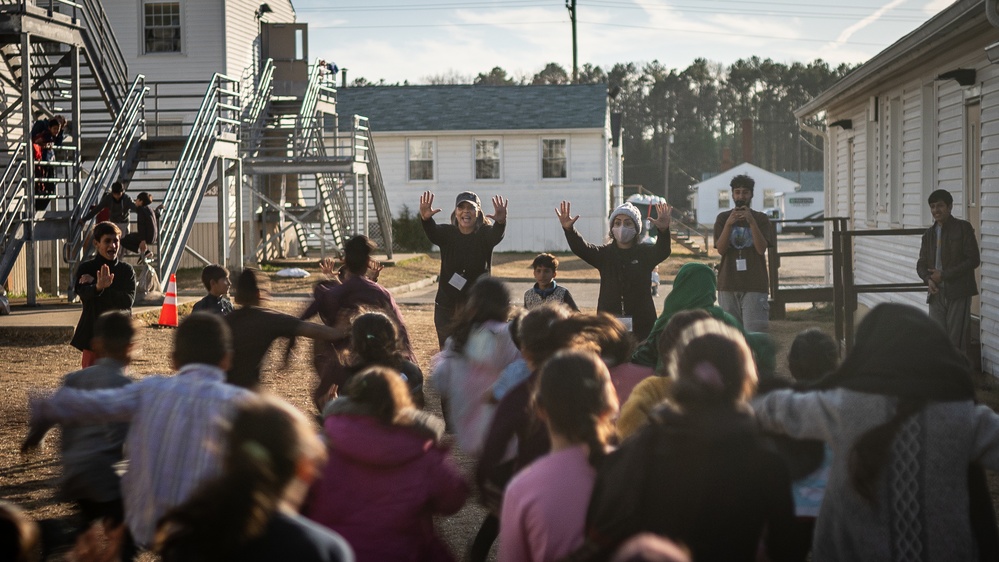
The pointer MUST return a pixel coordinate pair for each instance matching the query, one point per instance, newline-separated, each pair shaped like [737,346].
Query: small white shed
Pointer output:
[714,195]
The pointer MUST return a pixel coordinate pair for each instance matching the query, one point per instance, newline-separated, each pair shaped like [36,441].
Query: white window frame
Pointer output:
[475,158]
[433,159]
[770,194]
[541,158]
[727,196]
[142,28]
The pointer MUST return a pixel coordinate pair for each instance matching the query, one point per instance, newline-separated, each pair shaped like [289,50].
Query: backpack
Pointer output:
[147,284]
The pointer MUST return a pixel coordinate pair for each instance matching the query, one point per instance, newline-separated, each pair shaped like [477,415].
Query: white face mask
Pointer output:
[624,234]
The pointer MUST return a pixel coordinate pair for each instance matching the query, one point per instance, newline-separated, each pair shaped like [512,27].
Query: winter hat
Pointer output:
[630,211]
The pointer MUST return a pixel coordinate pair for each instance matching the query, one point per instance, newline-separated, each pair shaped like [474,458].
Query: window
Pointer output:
[161,27]
[768,197]
[800,201]
[554,158]
[724,199]
[421,160]
[487,159]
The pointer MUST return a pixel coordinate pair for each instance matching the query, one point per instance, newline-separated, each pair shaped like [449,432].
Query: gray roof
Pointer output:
[470,108]
[809,181]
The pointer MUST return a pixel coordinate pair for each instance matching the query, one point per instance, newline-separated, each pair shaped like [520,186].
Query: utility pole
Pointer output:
[571,6]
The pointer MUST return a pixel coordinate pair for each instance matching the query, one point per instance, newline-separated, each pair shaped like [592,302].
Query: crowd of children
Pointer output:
[689,448]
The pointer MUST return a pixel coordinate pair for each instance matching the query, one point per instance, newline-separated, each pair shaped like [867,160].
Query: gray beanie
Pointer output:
[630,211]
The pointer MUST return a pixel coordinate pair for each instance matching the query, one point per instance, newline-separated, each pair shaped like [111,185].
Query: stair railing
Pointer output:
[14,204]
[255,101]
[217,118]
[129,127]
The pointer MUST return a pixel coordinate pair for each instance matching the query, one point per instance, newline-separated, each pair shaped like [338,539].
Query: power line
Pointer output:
[350,27]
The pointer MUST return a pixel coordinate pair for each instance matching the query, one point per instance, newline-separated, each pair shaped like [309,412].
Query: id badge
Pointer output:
[740,264]
[457,281]
[628,323]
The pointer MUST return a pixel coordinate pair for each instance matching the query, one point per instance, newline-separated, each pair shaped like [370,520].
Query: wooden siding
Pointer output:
[532,224]
[989,75]
[932,157]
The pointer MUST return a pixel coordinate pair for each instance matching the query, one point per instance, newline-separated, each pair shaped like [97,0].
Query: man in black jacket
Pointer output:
[948,257]
[103,283]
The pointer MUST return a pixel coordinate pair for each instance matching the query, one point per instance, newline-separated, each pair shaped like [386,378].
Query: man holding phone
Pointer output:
[742,237]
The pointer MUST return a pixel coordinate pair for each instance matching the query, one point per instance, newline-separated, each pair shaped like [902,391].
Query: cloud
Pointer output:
[849,32]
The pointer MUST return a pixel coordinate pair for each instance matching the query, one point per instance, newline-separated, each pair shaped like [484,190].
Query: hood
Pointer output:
[900,351]
[362,438]
[694,287]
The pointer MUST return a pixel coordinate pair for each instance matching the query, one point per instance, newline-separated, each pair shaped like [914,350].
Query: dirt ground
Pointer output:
[28,480]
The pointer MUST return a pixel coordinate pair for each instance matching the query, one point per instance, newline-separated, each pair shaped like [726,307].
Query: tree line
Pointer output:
[695,113]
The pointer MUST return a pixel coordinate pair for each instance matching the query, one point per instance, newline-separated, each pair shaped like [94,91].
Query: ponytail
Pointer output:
[575,394]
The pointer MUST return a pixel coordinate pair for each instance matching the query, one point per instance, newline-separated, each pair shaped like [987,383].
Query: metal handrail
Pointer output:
[12,183]
[255,109]
[127,129]
[15,200]
[218,116]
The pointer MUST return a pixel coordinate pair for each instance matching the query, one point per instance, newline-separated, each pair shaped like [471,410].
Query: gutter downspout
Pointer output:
[828,156]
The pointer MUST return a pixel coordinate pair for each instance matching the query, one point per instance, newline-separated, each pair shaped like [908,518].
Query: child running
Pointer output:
[544,507]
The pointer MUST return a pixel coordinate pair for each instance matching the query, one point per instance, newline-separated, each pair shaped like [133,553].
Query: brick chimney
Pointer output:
[747,140]
[726,159]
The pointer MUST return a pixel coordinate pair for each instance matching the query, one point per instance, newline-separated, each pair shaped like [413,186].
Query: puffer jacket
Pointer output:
[383,484]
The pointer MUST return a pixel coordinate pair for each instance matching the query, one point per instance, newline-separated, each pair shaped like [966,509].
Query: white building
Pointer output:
[921,115]
[535,145]
[714,195]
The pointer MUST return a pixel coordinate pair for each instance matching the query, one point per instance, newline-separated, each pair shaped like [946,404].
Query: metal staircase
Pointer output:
[58,57]
[119,149]
[214,136]
[301,137]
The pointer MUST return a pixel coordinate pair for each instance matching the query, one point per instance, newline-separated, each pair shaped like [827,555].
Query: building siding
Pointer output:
[532,225]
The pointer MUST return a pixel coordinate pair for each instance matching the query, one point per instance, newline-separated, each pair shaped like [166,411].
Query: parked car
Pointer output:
[812,224]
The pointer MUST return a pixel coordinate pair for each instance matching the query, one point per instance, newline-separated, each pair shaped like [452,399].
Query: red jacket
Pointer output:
[383,485]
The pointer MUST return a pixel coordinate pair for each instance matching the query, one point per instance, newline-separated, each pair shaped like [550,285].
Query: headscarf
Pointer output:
[900,351]
[695,286]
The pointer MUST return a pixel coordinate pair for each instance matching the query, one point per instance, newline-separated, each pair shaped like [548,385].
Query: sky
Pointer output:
[411,40]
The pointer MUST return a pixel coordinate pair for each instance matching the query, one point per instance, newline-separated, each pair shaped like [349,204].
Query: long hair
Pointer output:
[600,333]
[267,440]
[374,340]
[575,394]
[712,366]
[488,299]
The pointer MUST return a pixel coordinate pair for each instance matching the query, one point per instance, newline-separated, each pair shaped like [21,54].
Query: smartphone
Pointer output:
[740,204]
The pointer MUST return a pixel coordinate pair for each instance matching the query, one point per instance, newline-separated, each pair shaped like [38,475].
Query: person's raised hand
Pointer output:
[427,209]
[104,278]
[374,268]
[499,209]
[328,267]
[564,214]
[664,213]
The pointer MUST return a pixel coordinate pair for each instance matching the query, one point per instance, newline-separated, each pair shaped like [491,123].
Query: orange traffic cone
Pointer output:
[168,314]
